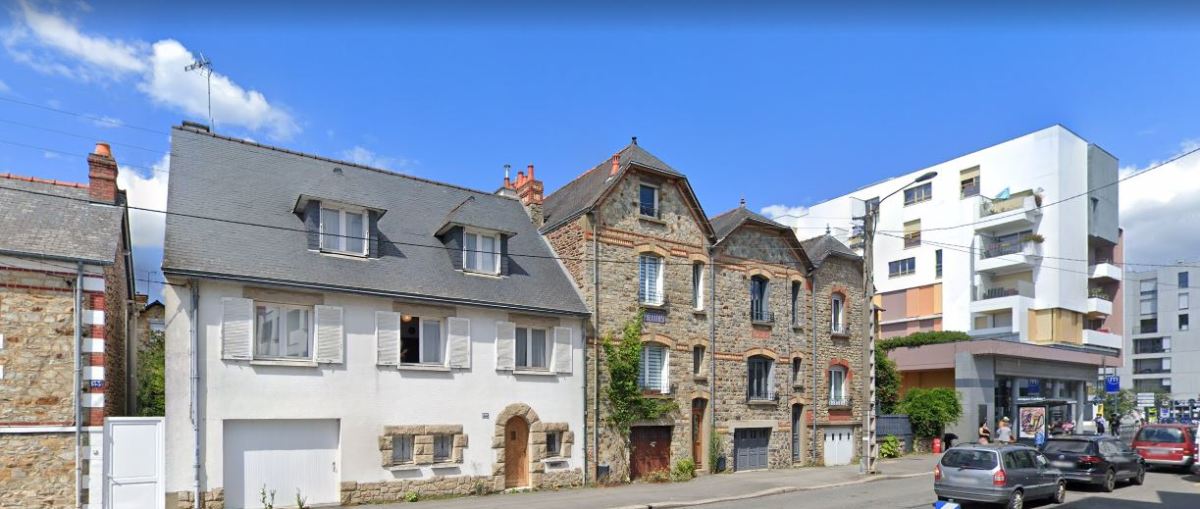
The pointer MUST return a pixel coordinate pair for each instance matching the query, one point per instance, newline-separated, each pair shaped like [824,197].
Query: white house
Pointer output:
[355,335]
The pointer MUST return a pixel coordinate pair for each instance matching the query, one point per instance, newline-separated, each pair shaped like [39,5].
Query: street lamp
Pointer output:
[870,221]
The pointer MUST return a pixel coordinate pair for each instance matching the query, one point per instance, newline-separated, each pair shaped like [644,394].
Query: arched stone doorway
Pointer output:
[516,466]
[516,453]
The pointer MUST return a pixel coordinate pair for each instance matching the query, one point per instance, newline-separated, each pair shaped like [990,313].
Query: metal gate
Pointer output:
[134,463]
[750,447]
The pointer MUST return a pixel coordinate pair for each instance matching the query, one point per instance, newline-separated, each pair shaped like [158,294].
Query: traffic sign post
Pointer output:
[1112,384]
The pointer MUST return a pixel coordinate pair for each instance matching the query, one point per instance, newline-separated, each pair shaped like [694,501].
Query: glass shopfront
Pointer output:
[1064,398]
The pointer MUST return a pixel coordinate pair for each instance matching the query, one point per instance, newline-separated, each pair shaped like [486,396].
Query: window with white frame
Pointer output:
[443,444]
[344,230]
[698,285]
[533,349]
[650,279]
[1184,302]
[837,312]
[648,200]
[421,341]
[653,376]
[282,331]
[402,449]
[481,252]
[837,386]
[760,379]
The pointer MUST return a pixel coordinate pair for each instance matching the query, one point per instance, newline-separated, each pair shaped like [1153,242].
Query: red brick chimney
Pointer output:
[530,190]
[102,174]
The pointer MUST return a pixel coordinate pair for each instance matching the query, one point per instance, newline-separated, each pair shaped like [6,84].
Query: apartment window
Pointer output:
[902,267]
[760,383]
[648,200]
[912,233]
[402,449]
[442,445]
[969,182]
[921,193]
[282,331]
[697,360]
[837,386]
[343,231]
[937,263]
[1183,321]
[532,348]
[553,444]
[653,376]
[1183,279]
[837,310]
[1159,365]
[759,309]
[796,303]
[1148,298]
[1151,345]
[1184,302]
[698,285]
[481,252]
[421,340]
[650,279]
[1152,385]
[797,372]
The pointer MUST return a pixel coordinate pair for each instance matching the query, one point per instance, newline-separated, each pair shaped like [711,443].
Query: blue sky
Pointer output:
[784,106]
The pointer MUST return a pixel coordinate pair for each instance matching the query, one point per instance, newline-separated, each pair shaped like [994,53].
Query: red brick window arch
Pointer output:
[838,378]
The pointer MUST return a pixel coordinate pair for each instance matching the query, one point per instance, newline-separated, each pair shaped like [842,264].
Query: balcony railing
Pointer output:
[993,249]
[1022,288]
[768,396]
[1150,348]
[1015,201]
[759,314]
[839,401]
[970,190]
[1146,327]
[1146,371]
[912,240]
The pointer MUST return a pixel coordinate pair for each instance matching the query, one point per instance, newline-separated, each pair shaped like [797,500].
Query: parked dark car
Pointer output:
[1006,474]
[1167,445]
[1095,459]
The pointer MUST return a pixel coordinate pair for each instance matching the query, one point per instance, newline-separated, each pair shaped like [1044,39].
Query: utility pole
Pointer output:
[870,220]
[204,65]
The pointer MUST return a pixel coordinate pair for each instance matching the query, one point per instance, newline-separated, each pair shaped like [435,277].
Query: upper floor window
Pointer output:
[343,231]
[481,252]
[797,372]
[654,375]
[421,340]
[648,200]
[969,182]
[760,380]
[1183,321]
[912,233]
[282,331]
[837,386]
[1184,301]
[1183,279]
[796,303]
[697,360]
[918,194]
[532,348]
[937,263]
[902,267]
[650,279]
[837,308]
[697,285]
[759,308]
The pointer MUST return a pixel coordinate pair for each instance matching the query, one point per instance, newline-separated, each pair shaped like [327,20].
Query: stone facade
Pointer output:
[37,470]
[841,276]
[38,311]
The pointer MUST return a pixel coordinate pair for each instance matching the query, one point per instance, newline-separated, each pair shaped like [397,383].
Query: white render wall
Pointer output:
[362,396]
[1185,345]
[1052,159]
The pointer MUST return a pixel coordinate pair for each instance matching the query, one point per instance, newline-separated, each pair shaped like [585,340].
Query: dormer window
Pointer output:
[344,231]
[481,252]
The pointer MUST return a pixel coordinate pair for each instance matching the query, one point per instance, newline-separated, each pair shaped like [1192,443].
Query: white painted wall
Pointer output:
[362,396]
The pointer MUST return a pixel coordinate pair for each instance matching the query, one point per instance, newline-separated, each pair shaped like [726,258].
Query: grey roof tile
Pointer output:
[48,220]
[823,246]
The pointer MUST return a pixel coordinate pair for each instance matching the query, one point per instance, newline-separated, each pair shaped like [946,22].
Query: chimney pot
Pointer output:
[530,171]
[103,149]
[616,164]
[102,174]
[635,140]
[507,181]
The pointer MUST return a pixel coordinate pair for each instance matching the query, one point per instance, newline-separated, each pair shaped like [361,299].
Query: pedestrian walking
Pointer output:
[1004,433]
[985,434]
[1101,425]
[1116,425]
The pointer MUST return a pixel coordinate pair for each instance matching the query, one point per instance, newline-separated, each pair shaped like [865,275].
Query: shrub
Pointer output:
[412,496]
[930,410]
[684,470]
[714,452]
[887,382]
[659,476]
[924,338]
[890,448]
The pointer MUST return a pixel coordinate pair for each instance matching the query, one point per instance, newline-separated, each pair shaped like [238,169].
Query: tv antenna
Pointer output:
[204,66]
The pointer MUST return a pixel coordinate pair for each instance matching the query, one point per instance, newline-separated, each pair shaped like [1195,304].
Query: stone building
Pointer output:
[65,290]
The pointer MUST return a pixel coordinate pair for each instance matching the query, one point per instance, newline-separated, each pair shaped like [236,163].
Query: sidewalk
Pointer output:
[702,490]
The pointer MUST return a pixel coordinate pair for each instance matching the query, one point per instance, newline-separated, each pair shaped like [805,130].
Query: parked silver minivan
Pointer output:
[998,474]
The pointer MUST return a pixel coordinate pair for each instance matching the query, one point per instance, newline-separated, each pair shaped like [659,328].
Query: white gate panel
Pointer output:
[281,455]
[134,463]
[839,446]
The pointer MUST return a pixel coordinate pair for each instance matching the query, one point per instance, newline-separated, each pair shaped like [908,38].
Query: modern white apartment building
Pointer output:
[1163,349]
[1017,244]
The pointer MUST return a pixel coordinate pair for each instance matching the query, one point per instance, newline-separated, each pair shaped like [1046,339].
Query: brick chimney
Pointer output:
[102,174]
[529,191]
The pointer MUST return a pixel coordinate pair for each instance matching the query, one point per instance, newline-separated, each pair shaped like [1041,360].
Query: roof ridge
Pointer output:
[39,180]
[339,161]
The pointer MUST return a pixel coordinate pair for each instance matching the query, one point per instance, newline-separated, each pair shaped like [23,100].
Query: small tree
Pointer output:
[887,382]
[626,403]
[151,371]
[930,410]
[1121,403]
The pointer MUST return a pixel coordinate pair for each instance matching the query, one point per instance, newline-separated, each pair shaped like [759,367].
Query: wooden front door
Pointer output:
[516,453]
[698,406]
[651,450]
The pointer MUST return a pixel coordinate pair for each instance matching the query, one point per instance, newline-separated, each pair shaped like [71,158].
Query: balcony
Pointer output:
[1019,209]
[1101,338]
[1146,326]
[1104,272]
[1001,257]
[1099,305]
[1014,295]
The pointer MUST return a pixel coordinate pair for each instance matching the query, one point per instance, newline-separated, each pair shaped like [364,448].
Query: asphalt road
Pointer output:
[1162,490]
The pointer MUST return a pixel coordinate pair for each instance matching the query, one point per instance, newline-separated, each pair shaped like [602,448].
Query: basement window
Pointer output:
[402,449]
[442,445]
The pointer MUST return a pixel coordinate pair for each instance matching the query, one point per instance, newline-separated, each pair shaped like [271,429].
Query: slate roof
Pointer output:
[43,219]
[821,247]
[581,194]
[728,221]
[222,178]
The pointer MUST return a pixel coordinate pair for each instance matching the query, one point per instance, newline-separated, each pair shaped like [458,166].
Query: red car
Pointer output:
[1168,445]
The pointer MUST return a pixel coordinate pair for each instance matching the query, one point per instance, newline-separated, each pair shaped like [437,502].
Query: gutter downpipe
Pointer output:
[812,278]
[712,350]
[583,332]
[595,341]
[78,375]
[195,389]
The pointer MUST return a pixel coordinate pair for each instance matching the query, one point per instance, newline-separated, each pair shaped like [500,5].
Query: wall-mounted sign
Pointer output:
[96,383]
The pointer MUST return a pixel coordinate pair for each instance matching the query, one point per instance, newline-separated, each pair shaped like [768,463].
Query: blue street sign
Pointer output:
[1035,386]
[1112,384]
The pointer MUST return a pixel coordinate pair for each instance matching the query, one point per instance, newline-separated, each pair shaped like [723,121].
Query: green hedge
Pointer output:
[930,410]
[924,338]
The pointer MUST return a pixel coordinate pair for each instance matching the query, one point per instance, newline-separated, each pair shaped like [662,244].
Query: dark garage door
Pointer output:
[750,448]
[651,450]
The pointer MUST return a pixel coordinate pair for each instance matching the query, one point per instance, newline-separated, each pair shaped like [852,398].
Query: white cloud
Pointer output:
[1160,210]
[366,157]
[105,121]
[784,214]
[146,191]
[4,87]
[52,43]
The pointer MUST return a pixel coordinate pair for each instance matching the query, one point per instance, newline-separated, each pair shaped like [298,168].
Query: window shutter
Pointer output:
[562,350]
[506,341]
[771,380]
[459,336]
[237,328]
[666,370]
[387,338]
[329,334]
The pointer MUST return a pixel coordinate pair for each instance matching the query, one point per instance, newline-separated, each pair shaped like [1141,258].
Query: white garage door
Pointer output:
[282,455]
[839,446]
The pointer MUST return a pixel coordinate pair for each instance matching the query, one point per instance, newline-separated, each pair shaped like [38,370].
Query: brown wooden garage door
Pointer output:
[651,450]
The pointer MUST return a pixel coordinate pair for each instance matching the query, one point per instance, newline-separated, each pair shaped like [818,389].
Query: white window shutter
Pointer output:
[237,328]
[459,337]
[666,370]
[330,336]
[506,346]
[387,338]
[562,350]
